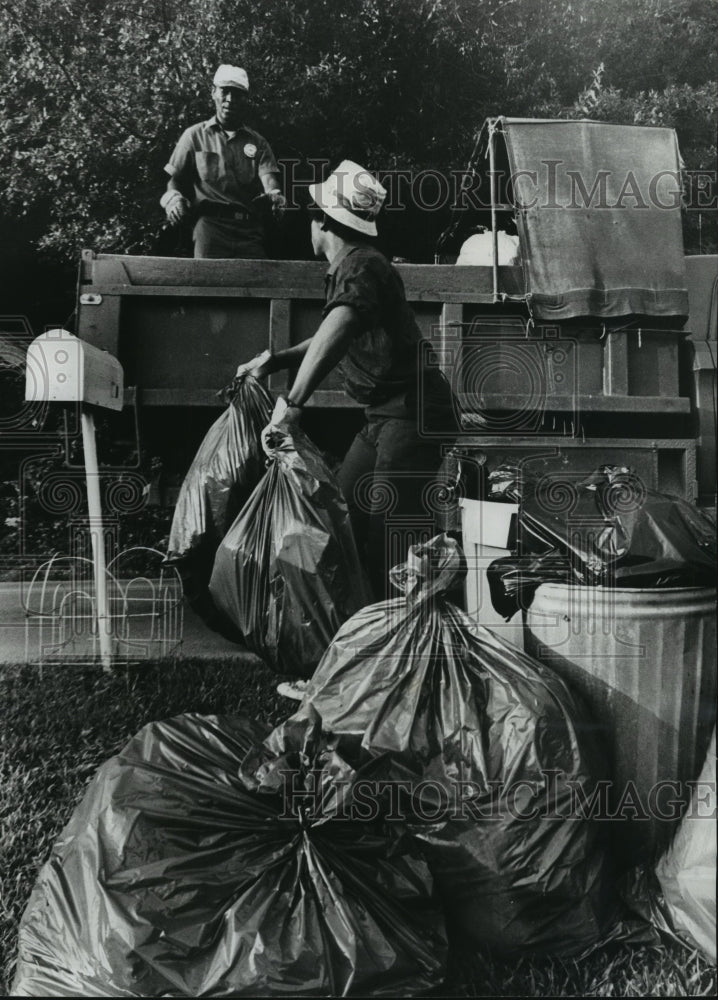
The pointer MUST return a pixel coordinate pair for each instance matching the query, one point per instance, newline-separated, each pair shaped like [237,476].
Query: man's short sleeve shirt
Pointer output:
[382,360]
[209,165]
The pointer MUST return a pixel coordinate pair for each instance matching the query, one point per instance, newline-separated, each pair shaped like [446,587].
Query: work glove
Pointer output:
[277,201]
[175,205]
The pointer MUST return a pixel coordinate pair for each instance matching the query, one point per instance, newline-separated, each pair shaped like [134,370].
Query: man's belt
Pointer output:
[216,210]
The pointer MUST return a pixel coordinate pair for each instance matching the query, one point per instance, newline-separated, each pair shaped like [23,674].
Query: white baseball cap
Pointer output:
[231,76]
[351,196]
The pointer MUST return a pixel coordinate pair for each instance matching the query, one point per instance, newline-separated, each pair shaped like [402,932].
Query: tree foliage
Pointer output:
[94,93]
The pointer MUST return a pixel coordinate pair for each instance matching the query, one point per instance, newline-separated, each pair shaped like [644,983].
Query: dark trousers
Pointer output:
[390,479]
[227,238]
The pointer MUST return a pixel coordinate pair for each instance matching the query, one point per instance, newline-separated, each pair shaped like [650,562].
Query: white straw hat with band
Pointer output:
[350,196]
[231,76]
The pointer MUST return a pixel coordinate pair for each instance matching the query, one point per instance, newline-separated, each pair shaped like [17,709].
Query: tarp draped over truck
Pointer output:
[598,215]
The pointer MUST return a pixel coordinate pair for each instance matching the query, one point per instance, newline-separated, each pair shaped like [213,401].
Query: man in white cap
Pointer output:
[221,171]
[370,332]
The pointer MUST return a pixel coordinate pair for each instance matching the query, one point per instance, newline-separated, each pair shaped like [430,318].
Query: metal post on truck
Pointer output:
[492,122]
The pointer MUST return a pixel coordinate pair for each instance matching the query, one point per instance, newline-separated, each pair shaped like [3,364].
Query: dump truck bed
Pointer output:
[180,327]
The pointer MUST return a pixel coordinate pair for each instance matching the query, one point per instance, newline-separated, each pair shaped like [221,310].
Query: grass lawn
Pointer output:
[56,730]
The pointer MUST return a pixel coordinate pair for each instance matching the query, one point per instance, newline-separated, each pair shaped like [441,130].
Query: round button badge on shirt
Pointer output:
[250,150]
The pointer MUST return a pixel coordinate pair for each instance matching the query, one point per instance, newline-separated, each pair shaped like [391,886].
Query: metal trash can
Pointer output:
[645,663]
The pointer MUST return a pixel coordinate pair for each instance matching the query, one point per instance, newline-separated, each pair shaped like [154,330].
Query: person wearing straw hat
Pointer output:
[369,331]
[220,174]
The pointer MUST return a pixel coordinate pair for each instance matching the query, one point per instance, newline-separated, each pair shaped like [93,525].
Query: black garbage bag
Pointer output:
[288,572]
[493,755]
[513,580]
[606,530]
[508,482]
[559,514]
[186,872]
[228,465]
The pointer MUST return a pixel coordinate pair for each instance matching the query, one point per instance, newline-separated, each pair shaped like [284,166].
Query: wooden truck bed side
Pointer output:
[180,327]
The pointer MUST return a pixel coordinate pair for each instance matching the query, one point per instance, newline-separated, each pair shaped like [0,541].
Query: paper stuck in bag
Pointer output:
[487,523]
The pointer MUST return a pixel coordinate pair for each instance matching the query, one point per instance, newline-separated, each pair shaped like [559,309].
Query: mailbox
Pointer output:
[63,369]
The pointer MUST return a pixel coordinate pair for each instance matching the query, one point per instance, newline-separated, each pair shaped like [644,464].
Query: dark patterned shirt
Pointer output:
[383,362]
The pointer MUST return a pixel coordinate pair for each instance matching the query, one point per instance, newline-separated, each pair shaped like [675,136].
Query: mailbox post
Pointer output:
[61,368]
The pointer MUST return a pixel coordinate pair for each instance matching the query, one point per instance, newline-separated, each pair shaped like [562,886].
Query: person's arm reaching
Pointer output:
[269,176]
[176,200]
[270,183]
[265,363]
[325,350]
[328,345]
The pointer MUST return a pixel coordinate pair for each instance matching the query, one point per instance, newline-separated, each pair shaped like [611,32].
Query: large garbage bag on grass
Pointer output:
[687,871]
[288,573]
[190,871]
[228,465]
[489,754]
[678,898]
